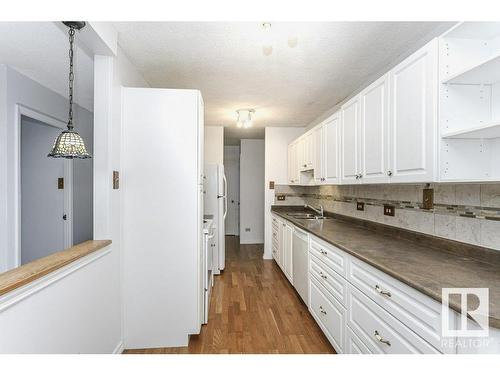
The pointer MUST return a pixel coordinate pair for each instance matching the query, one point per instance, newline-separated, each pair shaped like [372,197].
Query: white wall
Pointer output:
[214,145]
[16,89]
[252,191]
[67,311]
[276,155]
[82,311]
[232,172]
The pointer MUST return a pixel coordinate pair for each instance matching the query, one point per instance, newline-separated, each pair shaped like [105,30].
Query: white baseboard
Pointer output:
[119,348]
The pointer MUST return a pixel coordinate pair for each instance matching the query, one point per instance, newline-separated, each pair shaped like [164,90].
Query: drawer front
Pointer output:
[333,257]
[417,311]
[330,316]
[335,284]
[353,345]
[379,330]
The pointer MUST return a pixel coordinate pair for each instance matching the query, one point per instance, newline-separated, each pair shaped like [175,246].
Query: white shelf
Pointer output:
[486,72]
[487,131]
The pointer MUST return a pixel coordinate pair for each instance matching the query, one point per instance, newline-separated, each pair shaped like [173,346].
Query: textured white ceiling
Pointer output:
[39,50]
[290,87]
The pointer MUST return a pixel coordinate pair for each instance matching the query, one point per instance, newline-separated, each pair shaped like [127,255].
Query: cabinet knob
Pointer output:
[389,173]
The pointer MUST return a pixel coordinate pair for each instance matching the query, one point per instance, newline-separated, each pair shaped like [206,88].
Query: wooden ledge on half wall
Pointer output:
[32,271]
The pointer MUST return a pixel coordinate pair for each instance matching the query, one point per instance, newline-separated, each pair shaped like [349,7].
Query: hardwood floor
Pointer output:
[253,309]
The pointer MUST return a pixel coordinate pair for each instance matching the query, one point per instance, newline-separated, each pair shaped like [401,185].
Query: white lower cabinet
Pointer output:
[329,314]
[379,330]
[363,310]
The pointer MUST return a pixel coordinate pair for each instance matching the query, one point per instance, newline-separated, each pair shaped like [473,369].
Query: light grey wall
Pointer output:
[16,88]
[83,183]
[252,191]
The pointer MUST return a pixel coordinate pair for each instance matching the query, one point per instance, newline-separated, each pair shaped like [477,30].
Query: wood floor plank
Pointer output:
[253,309]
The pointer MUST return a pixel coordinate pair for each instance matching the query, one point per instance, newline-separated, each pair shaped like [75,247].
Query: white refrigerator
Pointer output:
[215,203]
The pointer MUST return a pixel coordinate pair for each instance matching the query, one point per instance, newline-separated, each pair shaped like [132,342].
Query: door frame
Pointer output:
[22,110]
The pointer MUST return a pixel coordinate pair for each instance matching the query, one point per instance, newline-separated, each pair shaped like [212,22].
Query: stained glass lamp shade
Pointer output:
[69,144]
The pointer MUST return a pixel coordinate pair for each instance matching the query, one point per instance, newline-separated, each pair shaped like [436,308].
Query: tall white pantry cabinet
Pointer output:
[162,153]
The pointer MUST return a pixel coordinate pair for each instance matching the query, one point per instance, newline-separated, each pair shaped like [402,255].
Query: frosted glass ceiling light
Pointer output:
[69,144]
[244,119]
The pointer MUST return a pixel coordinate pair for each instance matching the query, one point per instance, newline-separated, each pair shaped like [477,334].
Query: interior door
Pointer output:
[374,131]
[331,150]
[232,171]
[43,209]
[350,141]
[414,116]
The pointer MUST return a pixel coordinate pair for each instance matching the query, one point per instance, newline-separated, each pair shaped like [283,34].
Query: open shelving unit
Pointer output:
[485,72]
[469,102]
[486,131]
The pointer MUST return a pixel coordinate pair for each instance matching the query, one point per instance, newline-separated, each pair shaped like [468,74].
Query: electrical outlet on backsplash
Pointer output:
[464,212]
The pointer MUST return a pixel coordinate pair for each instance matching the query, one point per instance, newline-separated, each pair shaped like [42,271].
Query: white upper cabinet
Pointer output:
[326,146]
[413,116]
[350,135]
[387,133]
[318,146]
[331,150]
[374,132]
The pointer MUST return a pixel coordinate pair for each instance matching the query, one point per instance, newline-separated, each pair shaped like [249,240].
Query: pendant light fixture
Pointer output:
[69,144]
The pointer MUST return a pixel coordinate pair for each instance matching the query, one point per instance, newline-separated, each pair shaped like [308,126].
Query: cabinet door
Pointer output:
[296,154]
[350,141]
[287,264]
[331,150]
[318,154]
[290,164]
[374,131]
[413,113]
[309,151]
[281,245]
[301,154]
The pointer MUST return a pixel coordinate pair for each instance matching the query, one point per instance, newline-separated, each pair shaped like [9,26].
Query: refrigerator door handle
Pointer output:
[225,195]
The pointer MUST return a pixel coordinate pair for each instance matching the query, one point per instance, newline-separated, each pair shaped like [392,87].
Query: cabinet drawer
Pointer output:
[417,311]
[353,345]
[333,257]
[329,314]
[335,284]
[379,330]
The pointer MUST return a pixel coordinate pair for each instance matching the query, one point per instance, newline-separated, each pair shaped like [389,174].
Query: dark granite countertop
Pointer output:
[424,262]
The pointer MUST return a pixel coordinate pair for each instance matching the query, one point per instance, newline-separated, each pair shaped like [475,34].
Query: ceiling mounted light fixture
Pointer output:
[244,118]
[69,144]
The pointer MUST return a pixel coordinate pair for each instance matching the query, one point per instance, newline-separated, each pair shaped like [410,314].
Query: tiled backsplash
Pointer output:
[464,212]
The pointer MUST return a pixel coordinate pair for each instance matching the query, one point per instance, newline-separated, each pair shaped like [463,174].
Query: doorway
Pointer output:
[45,193]
[232,171]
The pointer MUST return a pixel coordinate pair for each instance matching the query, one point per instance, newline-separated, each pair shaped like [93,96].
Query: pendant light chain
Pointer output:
[71,77]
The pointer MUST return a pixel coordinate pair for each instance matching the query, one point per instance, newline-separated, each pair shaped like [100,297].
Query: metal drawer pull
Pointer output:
[381,339]
[322,311]
[323,252]
[323,275]
[381,291]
